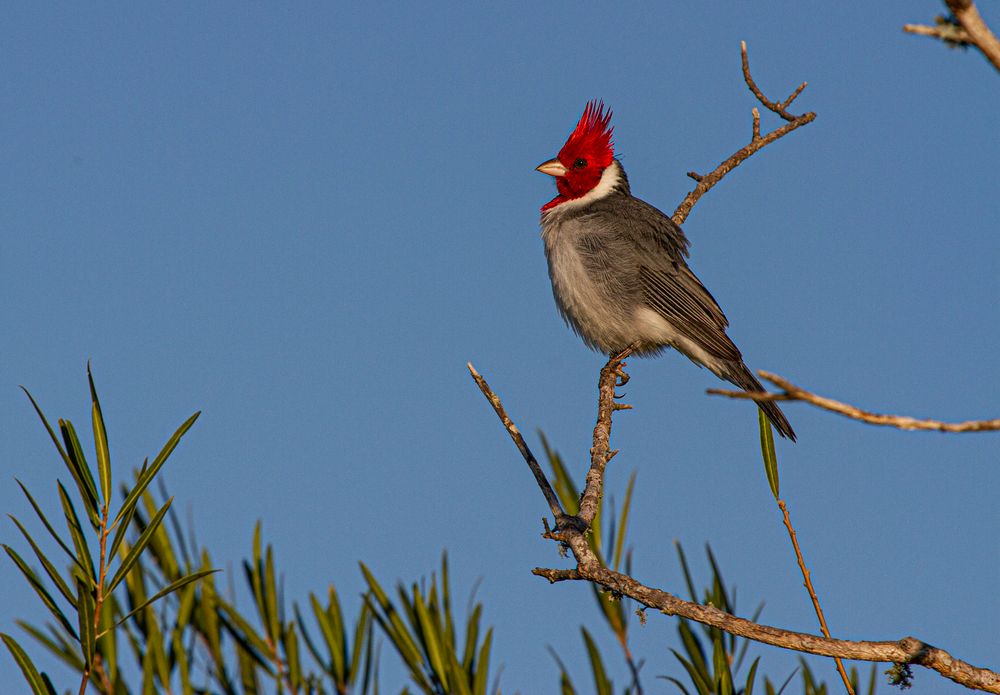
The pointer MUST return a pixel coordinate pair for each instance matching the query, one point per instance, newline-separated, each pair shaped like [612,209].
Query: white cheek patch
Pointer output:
[610,178]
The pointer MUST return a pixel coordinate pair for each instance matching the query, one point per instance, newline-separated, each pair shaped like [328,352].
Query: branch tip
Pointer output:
[529,458]
[791,392]
[965,27]
[757,142]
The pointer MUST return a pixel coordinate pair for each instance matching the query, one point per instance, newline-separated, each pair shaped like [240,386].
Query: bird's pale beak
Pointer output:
[553,167]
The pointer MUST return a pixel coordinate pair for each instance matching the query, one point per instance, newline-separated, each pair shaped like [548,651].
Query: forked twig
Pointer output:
[757,141]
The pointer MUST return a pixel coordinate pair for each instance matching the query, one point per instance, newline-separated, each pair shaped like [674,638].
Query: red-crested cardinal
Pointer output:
[618,268]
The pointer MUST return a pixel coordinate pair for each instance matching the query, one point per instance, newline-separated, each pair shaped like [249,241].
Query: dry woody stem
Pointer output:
[807,582]
[515,434]
[612,376]
[967,29]
[791,392]
[757,142]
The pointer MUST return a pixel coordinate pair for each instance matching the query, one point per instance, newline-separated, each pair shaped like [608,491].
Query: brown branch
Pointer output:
[776,107]
[515,434]
[791,392]
[612,375]
[950,33]
[757,142]
[807,582]
[967,29]
[554,575]
[573,531]
[908,650]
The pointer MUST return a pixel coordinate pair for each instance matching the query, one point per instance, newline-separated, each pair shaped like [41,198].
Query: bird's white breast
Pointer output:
[598,316]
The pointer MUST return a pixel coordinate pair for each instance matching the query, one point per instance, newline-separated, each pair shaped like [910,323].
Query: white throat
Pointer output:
[611,177]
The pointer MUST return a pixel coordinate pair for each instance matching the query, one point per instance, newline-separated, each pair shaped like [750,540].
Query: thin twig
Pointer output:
[791,392]
[950,33]
[554,575]
[757,142]
[99,597]
[776,107]
[634,667]
[105,685]
[968,28]
[515,434]
[807,581]
[282,671]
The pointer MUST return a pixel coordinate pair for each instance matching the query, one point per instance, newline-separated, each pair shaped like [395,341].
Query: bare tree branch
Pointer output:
[515,434]
[908,650]
[757,142]
[965,27]
[791,392]
[572,532]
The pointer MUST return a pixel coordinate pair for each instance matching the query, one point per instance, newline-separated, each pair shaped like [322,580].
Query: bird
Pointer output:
[619,268]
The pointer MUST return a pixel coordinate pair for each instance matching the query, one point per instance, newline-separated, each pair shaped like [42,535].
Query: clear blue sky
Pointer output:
[304,221]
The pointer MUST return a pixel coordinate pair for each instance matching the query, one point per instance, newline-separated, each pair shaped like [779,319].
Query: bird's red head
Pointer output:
[586,154]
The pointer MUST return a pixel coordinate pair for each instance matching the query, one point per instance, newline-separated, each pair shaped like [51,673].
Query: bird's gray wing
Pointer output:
[669,286]
[680,298]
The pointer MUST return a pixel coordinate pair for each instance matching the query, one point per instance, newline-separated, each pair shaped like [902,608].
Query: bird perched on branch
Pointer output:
[618,268]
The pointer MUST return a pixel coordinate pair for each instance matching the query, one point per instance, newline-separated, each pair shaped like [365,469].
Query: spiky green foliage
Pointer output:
[200,641]
[137,609]
[421,628]
[86,588]
[134,606]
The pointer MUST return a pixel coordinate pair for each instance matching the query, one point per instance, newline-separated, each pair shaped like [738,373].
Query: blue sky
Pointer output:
[304,220]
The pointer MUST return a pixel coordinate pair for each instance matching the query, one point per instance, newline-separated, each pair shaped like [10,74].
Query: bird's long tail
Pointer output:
[744,378]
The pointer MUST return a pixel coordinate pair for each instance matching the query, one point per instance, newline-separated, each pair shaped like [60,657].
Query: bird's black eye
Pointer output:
[580,163]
